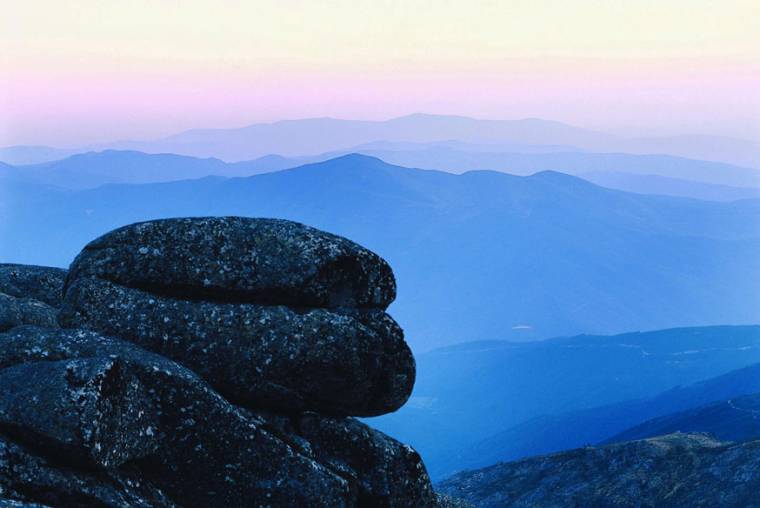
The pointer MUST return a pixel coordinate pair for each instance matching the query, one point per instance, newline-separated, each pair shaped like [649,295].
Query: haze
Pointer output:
[98,72]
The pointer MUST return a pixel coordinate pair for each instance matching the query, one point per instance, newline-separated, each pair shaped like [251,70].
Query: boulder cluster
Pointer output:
[205,362]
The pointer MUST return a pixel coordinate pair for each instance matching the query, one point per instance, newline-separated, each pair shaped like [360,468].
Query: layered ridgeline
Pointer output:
[479,256]
[206,362]
[677,470]
[645,174]
[479,403]
[320,135]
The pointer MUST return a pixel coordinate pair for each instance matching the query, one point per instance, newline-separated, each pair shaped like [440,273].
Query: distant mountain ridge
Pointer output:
[479,403]
[663,413]
[734,419]
[457,160]
[310,136]
[544,244]
[656,184]
[92,169]
[33,154]
[318,135]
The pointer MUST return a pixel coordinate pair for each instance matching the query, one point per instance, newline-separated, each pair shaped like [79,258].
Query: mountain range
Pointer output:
[479,255]
[554,254]
[645,174]
[319,135]
[93,169]
[478,403]
[684,408]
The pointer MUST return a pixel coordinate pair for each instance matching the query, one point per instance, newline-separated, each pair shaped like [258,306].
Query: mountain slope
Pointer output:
[459,160]
[92,169]
[655,184]
[552,433]
[30,154]
[478,403]
[676,470]
[735,419]
[541,247]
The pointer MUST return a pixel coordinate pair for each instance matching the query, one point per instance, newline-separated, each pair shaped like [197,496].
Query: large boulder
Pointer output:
[183,437]
[41,283]
[264,261]
[25,311]
[338,361]
[212,362]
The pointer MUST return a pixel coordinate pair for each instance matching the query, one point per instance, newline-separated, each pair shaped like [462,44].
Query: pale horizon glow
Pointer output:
[85,72]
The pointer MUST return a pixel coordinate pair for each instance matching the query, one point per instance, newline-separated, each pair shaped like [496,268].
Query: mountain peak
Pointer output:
[357,159]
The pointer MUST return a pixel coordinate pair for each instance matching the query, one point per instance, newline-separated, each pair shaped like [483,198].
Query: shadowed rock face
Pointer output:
[41,283]
[677,470]
[117,403]
[265,261]
[91,415]
[25,311]
[30,295]
[29,480]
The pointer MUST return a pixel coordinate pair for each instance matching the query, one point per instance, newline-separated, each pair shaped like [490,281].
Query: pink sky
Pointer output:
[97,74]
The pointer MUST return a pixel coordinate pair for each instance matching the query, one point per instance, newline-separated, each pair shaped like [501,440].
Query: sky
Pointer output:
[80,72]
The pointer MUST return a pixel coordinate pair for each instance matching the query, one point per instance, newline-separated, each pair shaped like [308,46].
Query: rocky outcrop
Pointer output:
[677,470]
[41,283]
[212,380]
[103,403]
[25,311]
[29,295]
[29,480]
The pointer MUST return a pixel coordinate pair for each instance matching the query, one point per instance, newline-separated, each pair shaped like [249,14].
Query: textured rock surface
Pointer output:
[171,323]
[9,503]
[678,470]
[355,362]
[25,311]
[41,283]
[206,452]
[445,501]
[26,477]
[388,473]
[240,259]
[91,410]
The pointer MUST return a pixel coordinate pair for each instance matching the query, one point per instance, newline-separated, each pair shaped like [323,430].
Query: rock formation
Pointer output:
[206,362]
[29,295]
[41,283]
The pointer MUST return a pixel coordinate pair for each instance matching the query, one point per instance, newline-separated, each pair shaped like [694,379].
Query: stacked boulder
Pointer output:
[211,362]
